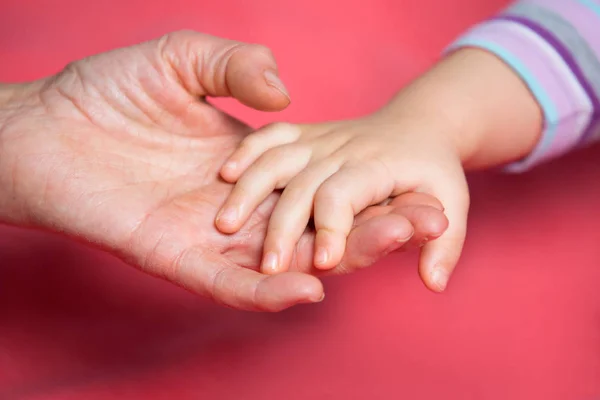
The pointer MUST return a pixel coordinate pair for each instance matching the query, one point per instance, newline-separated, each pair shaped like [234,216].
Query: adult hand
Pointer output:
[120,150]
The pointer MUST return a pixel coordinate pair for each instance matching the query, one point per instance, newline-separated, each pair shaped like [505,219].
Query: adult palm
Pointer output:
[121,151]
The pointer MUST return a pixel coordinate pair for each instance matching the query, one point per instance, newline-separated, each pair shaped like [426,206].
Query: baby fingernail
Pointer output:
[274,81]
[322,256]
[228,215]
[230,165]
[270,263]
[439,278]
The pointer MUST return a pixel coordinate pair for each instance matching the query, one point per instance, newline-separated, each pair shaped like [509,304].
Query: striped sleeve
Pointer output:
[554,46]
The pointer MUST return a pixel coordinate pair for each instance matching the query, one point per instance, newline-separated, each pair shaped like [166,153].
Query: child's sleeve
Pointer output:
[554,46]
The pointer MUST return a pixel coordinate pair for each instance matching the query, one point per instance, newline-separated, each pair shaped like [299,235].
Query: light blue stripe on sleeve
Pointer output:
[549,109]
[595,7]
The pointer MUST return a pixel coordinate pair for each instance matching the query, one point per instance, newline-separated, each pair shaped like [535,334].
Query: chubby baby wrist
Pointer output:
[440,117]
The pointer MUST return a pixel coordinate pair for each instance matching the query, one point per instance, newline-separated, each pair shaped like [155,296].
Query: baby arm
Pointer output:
[507,93]
[553,46]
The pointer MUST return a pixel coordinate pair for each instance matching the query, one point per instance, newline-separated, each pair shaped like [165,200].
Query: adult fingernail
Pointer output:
[270,263]
[321,298]
[322,256]
[398,243]
[393,247]
[439,278]
[273,80]
[406,239]
[228,215]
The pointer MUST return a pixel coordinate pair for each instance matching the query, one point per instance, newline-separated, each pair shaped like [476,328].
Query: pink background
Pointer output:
[521,318]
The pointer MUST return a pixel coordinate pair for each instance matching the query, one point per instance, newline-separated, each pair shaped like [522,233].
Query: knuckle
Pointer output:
[216,286]
[272,160]
[330,193]
[284,128]
[294,195]
[279,125]
[267,165]
[273,156]
[176,37]
[451,243]
[282,153]
[70,78]
[252,141]
[282,132]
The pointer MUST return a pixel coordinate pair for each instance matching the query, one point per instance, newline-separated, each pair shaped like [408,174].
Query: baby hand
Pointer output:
[332,171]
[470,109]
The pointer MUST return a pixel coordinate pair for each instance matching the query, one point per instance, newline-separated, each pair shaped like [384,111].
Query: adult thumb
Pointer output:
[210,66]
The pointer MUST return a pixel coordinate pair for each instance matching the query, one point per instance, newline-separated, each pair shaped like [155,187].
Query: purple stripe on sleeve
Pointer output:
[577,15]
[560,49]
[570,61]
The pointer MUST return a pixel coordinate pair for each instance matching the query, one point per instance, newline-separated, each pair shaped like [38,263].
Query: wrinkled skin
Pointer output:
[121,151]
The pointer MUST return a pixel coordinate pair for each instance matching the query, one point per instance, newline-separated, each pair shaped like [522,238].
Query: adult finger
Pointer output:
[211,66]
